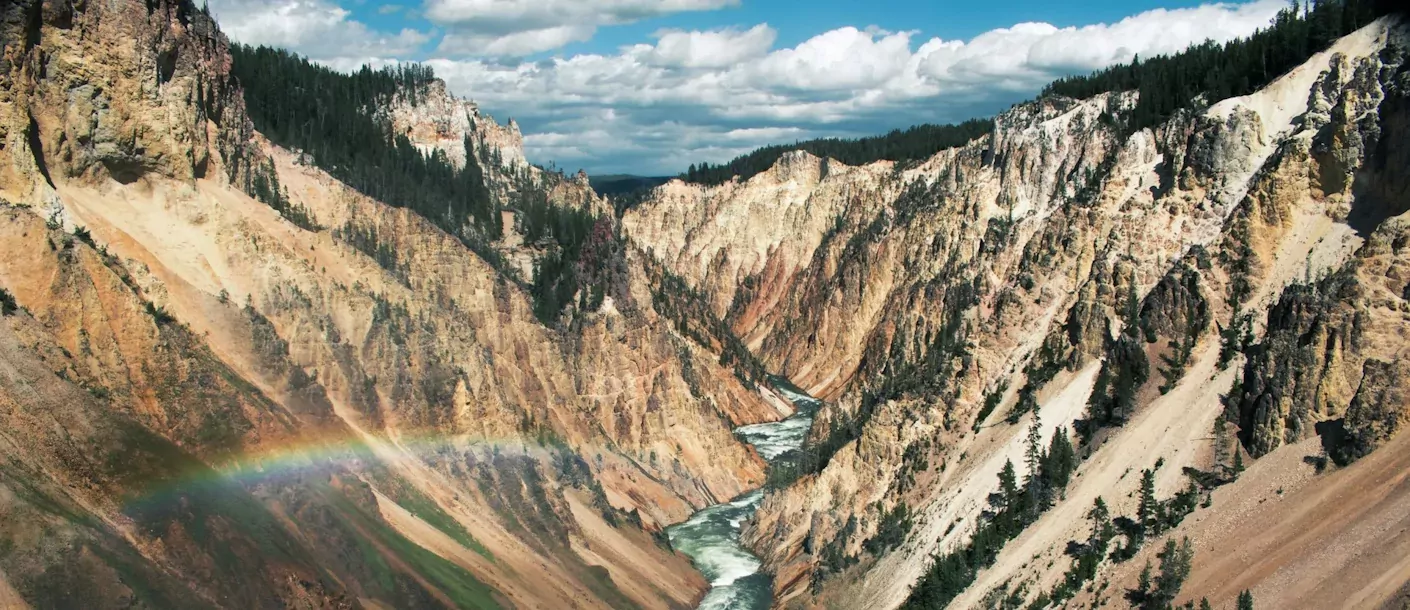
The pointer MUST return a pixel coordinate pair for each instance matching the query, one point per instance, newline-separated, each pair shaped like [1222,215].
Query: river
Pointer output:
[711,537]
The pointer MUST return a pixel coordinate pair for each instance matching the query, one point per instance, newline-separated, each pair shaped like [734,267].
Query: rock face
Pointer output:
[206,405]
[1066,267]
[434,119]
[79,106]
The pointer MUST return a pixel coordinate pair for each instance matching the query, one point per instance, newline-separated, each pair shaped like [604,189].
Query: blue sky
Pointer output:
[649,86]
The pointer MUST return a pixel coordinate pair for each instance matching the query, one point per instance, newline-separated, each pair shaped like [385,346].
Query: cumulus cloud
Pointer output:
[712,49]
[688,96]
[845,58]
[1027,53]
[710,95]
[524,27]
[313,27]
[514,44]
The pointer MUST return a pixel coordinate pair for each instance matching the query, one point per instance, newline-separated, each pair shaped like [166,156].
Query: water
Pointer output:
[711,537]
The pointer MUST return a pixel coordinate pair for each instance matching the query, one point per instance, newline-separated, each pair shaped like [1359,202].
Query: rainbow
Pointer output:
[304,457]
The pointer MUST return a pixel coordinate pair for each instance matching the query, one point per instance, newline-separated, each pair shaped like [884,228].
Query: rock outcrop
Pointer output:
[1066,267]
[207,403]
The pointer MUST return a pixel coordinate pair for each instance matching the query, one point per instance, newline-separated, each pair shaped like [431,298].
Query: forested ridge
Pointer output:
[918,142]
[334,119]
[1209,72]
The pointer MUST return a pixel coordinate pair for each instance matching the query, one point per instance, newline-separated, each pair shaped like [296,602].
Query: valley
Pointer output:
[276,335]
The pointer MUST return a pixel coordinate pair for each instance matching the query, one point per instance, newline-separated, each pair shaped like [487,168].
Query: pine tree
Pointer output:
[1221,444]
[1238,462]
[1008,501]
[1246,600]
[1036,492]
[1133,309]
[1033,455]
[1143,586]
[1204,604]
[1008,485]
[1175,563]
[1102,529]
[1095,549]
[1147,514]
[1061,461]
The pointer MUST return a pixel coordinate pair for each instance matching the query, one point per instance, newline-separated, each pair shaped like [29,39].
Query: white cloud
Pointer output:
[1030,54]
[516,44]
[314,27]
[711,49]
[845,58]
[523,27]
[688,96]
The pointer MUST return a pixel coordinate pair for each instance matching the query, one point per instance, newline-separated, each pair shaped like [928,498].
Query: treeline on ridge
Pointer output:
[1167,83]
[333,117]
[918,142]
[1213,72]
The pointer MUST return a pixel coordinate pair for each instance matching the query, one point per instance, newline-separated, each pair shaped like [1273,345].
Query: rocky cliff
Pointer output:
[435,119]
[200,395]
[1111,284]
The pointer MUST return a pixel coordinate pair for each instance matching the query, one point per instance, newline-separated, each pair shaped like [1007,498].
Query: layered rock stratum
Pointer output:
[205,405]
[938,305]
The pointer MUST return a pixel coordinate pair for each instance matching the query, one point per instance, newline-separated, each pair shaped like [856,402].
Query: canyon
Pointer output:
[945,307]
[215,397]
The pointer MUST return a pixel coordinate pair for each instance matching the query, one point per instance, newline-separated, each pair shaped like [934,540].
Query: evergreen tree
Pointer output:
[1035,496]
[1148,512]
[1246,600]
[1144,586]
[1209,72]
[1175,563]
[8,306]
[1102,529]
[1033,454]
[331,117]
[1238,461]
[1204,604]
[1094,551]
[1008,487]
[1221,443]
[1061,461]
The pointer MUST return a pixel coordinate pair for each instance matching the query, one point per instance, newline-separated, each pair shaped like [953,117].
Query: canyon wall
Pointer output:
[201,396]
[1115,283]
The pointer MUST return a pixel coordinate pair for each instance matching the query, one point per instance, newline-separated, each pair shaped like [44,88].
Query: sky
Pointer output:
[648,87]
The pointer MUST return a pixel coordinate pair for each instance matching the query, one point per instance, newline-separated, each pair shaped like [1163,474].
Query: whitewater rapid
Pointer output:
[711,536]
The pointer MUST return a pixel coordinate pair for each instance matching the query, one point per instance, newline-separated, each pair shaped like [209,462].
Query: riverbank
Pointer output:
[711,536]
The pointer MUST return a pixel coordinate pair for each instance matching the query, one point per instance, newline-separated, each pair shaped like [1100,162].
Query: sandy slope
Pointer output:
[1176,427]
[183,237]
[645,578]
[1297,539]
[1303,541]
[951,524]
[554,590]
[9,598]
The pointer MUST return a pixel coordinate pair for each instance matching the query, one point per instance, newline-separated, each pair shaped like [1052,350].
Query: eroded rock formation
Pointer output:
[204,402]
[1065,266]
